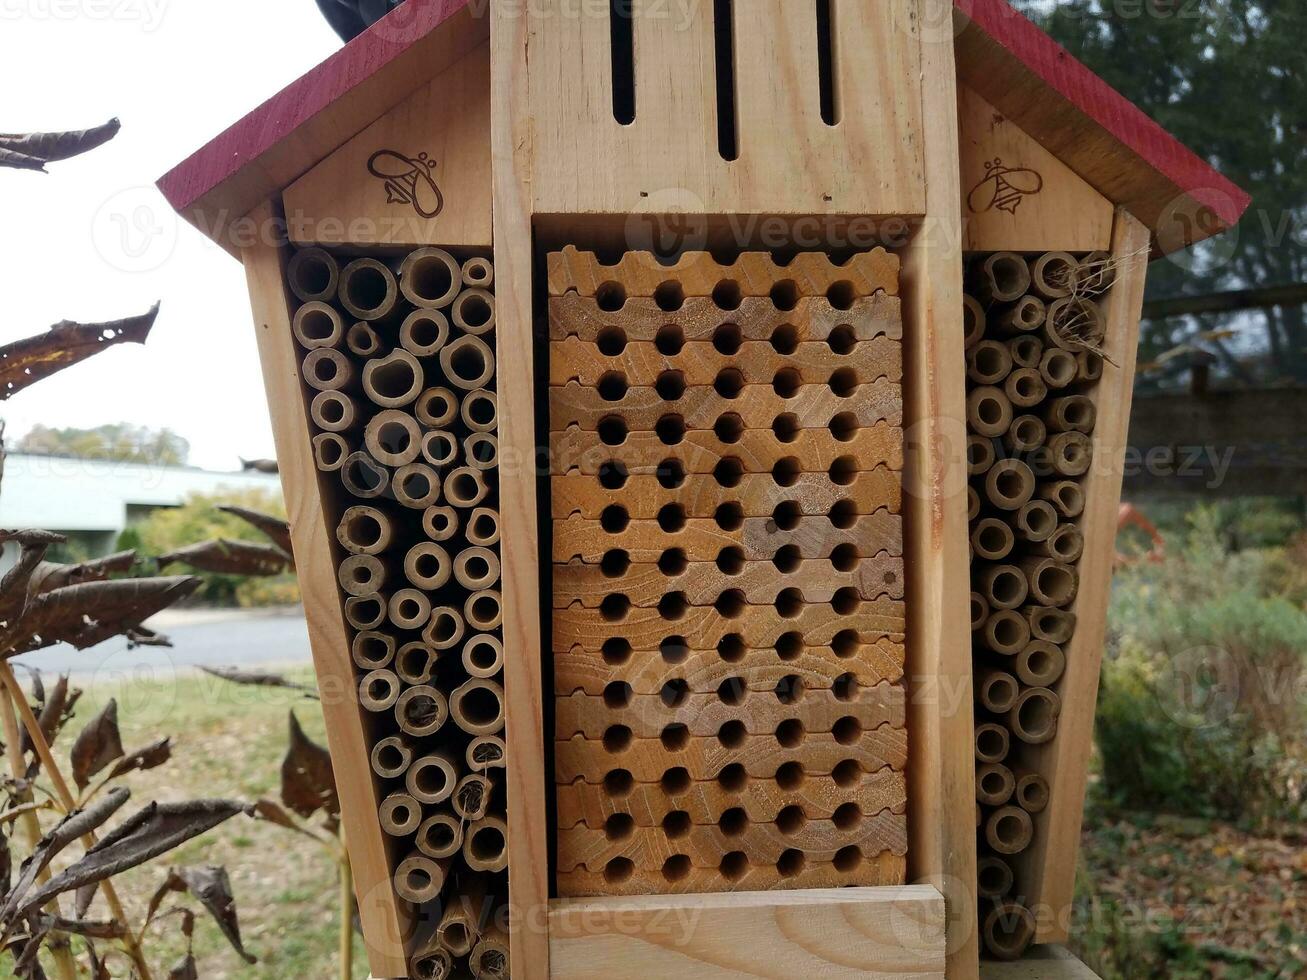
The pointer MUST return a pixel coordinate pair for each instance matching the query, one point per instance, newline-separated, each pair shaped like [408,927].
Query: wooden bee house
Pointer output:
[702,426]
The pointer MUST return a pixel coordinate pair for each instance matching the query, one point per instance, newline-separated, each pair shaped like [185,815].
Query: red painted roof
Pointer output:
[262,153]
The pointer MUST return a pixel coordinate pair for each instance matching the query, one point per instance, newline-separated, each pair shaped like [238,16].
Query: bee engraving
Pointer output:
[408,180]
[1003,188]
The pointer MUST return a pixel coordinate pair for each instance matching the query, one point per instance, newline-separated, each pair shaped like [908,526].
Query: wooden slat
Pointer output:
[385,921]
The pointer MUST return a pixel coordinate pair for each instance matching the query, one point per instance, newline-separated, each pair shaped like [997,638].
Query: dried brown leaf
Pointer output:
[50,575]
[276,529]
[97,745]
[274,812]
[33,359]
[268,466]
[51,147]
[228,557]
[87,614]
[14,584]
[307,781]
[150,757]
[20,161]
[49,714]
[258,678]
[212,888]
[184,969]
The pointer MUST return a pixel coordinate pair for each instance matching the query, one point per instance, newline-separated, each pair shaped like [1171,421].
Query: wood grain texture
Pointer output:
[528,849]
[844,934]
[880,870]
[385,921]
[1041,963]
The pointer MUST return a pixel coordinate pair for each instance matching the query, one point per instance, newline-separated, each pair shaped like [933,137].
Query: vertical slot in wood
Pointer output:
[728,137]
[827,63]
[622,35]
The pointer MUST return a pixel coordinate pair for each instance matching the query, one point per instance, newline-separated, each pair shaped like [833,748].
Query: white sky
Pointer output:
[176,72]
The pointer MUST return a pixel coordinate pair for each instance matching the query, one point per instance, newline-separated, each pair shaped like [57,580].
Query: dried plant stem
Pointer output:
[346,911]
[37,737]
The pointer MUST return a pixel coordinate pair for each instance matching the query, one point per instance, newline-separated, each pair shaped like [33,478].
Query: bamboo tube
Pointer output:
[1096,273]
[313,275]
[1002,277]
[439,448]
[973,503]
[473,312]
[410,609]
[1009,484]
[1033,719]
[996,690]
[361,574]
[427,566]
[973,322]
[1071,413]
[468,363]
[317,325]
[465,487]
[431,962]
[484,610]
[400,814]
[1053,275]
[1006,632]
[440,836]
[415,663]
[334,411]
[1057,368]
[993,743]
[391,757]
[1026,314]
[330,451]
[432,778]
[478,707]
[436,407]
[1040,664]
[988,363]
[393,381]
[368,290]
[471,799]
[1005,586]
[979,611]
[393,437]
[989,413]
[490,956]
[365,612]
[327,369]
[483,527]
[1048,624]
[995,784]
[1025,388]
[416,486]
[483,656]
[480,410]
[363,476]
[485,845]
[1008,930]
[418,879]
[424,332]
[476,568]
[981,455]
[1089,366]
[1036,521]
[994,877]
[1066,544]
[364,531]
[372,650]
[1026,351]
[1074,324]
[1052,583]
[1009,830]
[378,690]
[478,273]
[421,711]
[486,752]
[430,278]
[1071,453]
[1066,496]
[1032,792]
[992,539]
[361,340]
[460,926]
[481,450]
[445,629]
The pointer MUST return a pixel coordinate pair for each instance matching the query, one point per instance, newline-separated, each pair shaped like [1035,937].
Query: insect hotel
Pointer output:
[702,428]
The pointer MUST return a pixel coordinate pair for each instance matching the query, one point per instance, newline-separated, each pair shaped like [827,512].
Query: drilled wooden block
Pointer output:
[758,712]
[755,495]
[648,805]
[701,363]
[756,318]
[701,450]
[882,869]
[699,274]
[581,848]
[702,540]
[705,628]
[648,760]
[752,406]
[704,671]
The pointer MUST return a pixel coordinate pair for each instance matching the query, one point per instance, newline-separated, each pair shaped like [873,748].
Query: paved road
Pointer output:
[200,638]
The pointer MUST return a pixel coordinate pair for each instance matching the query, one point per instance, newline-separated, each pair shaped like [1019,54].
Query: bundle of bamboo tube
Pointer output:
[399,373]
[1034,328]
